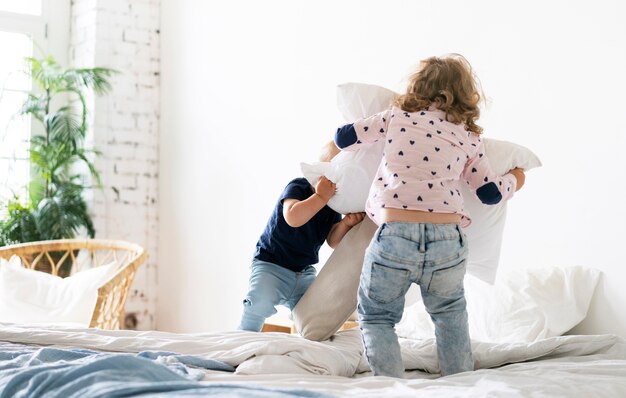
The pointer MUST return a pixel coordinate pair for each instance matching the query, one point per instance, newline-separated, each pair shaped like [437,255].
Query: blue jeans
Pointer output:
[271,285]
[432,256]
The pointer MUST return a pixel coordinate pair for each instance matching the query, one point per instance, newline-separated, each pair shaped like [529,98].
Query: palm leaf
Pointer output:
[36,189]
[46,73]
[83,107]
[57,208]
[92,167]
[63,215]
[20,226]
[63,126]
[35,105]
[93,78]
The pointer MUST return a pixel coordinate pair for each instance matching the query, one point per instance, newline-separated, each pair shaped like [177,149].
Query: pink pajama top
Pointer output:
[425,159]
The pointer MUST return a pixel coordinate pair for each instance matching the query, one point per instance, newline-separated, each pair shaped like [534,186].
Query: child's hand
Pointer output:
[325,188]
[352,219]
[520,176]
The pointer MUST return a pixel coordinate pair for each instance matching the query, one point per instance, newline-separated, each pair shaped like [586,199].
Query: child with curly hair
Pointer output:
[432,145]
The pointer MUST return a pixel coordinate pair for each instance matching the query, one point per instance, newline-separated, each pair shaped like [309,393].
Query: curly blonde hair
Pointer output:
[450,85]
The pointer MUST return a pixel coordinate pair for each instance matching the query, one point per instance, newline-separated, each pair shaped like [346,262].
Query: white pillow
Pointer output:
[484,234]
[522,306]
[357,100]
[353,173]
[29,296]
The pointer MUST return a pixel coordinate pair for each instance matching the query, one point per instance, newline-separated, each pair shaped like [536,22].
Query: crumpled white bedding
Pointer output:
[280,353]
[564,366]
[422,354]
[250,352]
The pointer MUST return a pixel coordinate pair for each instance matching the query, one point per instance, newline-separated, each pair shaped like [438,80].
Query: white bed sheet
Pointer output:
[565,366]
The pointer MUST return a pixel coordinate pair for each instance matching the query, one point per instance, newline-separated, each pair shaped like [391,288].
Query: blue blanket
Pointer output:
[30,371]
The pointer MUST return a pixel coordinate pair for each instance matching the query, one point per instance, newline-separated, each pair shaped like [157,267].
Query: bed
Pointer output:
[519,327]
[82,362]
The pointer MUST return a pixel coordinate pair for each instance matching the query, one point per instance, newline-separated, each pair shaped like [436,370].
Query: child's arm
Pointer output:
[365,131]
[489,187]
[340,229]
[299,212]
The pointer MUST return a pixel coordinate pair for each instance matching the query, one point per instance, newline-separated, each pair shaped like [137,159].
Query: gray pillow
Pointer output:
[332,297]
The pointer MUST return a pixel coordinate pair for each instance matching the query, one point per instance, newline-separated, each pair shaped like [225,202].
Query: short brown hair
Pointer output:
[450,85]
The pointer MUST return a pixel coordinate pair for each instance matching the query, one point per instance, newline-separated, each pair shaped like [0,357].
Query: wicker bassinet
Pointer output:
[66,256]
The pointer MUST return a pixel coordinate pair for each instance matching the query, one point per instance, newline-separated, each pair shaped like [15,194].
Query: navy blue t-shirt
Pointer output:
[295,248]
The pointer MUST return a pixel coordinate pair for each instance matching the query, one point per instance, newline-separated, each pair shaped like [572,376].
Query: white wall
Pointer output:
[248,92]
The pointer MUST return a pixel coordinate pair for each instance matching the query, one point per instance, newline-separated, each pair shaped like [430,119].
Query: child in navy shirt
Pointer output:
[282,268]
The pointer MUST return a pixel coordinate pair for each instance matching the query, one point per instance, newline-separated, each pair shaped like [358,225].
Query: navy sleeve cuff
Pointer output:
[489,194]
[345,136]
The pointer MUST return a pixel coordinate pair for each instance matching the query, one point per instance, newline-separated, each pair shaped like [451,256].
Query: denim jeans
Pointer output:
[271,285]
[432,256]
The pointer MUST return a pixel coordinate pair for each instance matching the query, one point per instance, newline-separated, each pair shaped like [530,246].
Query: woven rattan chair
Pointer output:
[68,256]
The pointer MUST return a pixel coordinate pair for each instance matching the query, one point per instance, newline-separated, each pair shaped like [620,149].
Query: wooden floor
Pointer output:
[270,327]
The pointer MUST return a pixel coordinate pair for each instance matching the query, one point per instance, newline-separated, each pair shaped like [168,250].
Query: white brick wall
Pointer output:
[124,35]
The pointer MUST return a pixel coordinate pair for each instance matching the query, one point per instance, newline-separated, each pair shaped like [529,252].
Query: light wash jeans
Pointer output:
[432,256]
[271,285]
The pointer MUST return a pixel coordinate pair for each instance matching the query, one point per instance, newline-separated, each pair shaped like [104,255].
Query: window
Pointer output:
[31,7]
[14,129]
[27,28]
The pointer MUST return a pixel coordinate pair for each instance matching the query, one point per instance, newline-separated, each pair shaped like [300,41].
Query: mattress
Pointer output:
[89,362]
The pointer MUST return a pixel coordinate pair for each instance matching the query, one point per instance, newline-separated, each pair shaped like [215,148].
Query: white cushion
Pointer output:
[358,100]
[484,234]
[522,306]
[29,296]
[332,297]
[353,172]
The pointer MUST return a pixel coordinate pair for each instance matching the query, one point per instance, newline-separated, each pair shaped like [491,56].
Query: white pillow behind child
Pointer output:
[485,232]
[524,305]
[353,173]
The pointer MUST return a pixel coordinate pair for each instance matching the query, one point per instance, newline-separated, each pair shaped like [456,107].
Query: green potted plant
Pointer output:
[55,207]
